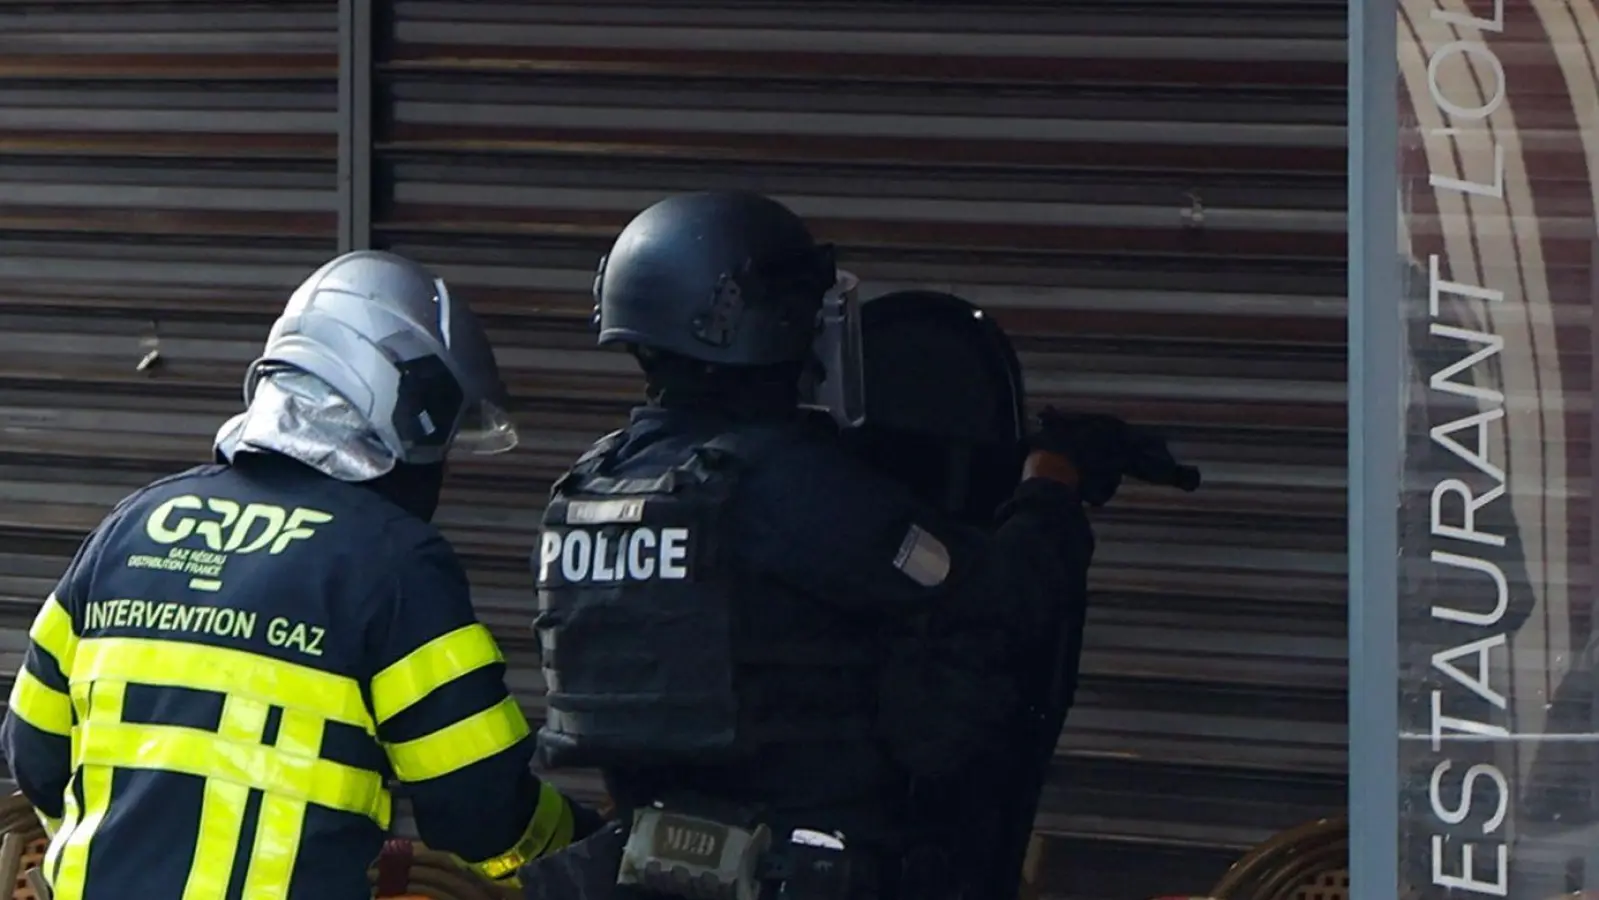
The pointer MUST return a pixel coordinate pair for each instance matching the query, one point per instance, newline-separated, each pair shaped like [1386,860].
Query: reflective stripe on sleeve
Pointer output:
[53,633]
[454,747]
[40,705]
[550,830]
[430,667]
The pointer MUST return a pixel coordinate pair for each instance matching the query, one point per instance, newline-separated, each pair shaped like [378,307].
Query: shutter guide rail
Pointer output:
[356,35]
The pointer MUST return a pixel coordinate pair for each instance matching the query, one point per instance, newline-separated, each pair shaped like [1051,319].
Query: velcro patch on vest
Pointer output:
[627,511]
[611,555]
[923,558]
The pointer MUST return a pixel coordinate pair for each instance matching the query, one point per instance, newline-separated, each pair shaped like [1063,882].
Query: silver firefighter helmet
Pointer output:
[385,335]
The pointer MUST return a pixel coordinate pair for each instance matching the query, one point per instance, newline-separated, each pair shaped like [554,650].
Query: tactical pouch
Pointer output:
[817,867]
[682,854]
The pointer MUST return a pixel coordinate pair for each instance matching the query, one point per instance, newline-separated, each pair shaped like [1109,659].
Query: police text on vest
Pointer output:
[637,554]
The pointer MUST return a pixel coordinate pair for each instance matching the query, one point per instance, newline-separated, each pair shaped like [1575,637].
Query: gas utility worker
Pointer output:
[243,654]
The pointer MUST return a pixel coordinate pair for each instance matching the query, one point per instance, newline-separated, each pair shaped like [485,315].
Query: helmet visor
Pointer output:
[841,389]
[486,431]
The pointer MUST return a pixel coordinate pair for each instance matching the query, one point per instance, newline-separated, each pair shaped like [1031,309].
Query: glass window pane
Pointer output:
[1499,739]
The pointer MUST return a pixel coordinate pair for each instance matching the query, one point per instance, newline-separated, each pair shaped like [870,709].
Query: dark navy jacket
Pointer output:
[253,654]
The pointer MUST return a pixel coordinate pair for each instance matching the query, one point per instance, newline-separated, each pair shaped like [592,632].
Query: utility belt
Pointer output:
[700,850]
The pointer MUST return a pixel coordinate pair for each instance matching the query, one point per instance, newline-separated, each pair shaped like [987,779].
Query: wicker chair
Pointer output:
[412,872]
[22,846]
[1307,862]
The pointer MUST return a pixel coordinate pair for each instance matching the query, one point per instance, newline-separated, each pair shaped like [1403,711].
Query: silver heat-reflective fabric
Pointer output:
[299,416]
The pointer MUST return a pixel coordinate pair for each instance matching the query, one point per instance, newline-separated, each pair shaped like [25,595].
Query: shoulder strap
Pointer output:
[747,446]
[593,460]
[602,451]
[731,451]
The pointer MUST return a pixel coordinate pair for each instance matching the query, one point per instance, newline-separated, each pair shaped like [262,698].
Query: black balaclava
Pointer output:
[737,392]
[413,488]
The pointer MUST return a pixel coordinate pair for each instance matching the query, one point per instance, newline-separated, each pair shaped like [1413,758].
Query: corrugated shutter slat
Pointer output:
[166,171]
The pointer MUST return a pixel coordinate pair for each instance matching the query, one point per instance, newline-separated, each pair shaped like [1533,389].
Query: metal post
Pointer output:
[1376,385]
[1592,625]
[355,124]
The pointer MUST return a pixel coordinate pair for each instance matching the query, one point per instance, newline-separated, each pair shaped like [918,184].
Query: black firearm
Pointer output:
[1105,449]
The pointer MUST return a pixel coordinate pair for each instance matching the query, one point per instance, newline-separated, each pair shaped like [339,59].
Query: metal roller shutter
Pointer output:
[1149,198]
[165,170]
[1148,195]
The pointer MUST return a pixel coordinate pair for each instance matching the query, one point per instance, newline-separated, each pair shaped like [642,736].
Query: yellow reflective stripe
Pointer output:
[430,667]
[103,703]
[69,821]
[50,826]
[53,633]
[552,823]
[550,829]
[235,673]
[191,751]
[222,806]
[453,747]
[562,838]
[80,706]
[282,821]
[40,705]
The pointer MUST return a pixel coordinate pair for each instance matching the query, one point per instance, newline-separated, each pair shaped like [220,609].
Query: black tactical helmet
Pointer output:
[945,403]
[726,277]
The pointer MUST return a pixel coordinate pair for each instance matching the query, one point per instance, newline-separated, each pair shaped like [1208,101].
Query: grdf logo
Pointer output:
[229,528]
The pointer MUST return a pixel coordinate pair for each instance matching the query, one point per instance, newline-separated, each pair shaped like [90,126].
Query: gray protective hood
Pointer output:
[299,416]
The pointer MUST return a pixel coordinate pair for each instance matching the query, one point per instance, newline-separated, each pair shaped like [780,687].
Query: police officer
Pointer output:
[243,654]
[956,433]
[716,579]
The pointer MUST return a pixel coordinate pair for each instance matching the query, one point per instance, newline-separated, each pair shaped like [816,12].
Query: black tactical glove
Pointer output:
[1095,445]
[1104,449]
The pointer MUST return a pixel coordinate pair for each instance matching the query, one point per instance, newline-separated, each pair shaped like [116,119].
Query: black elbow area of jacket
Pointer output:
[1052,505]
[40,764]
[478,812]
[1042,494]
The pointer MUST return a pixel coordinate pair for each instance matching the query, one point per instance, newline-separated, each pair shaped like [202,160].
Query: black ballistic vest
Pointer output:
[658,648]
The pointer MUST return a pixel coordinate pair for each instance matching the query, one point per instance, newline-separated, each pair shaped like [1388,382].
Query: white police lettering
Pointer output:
[636,554]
